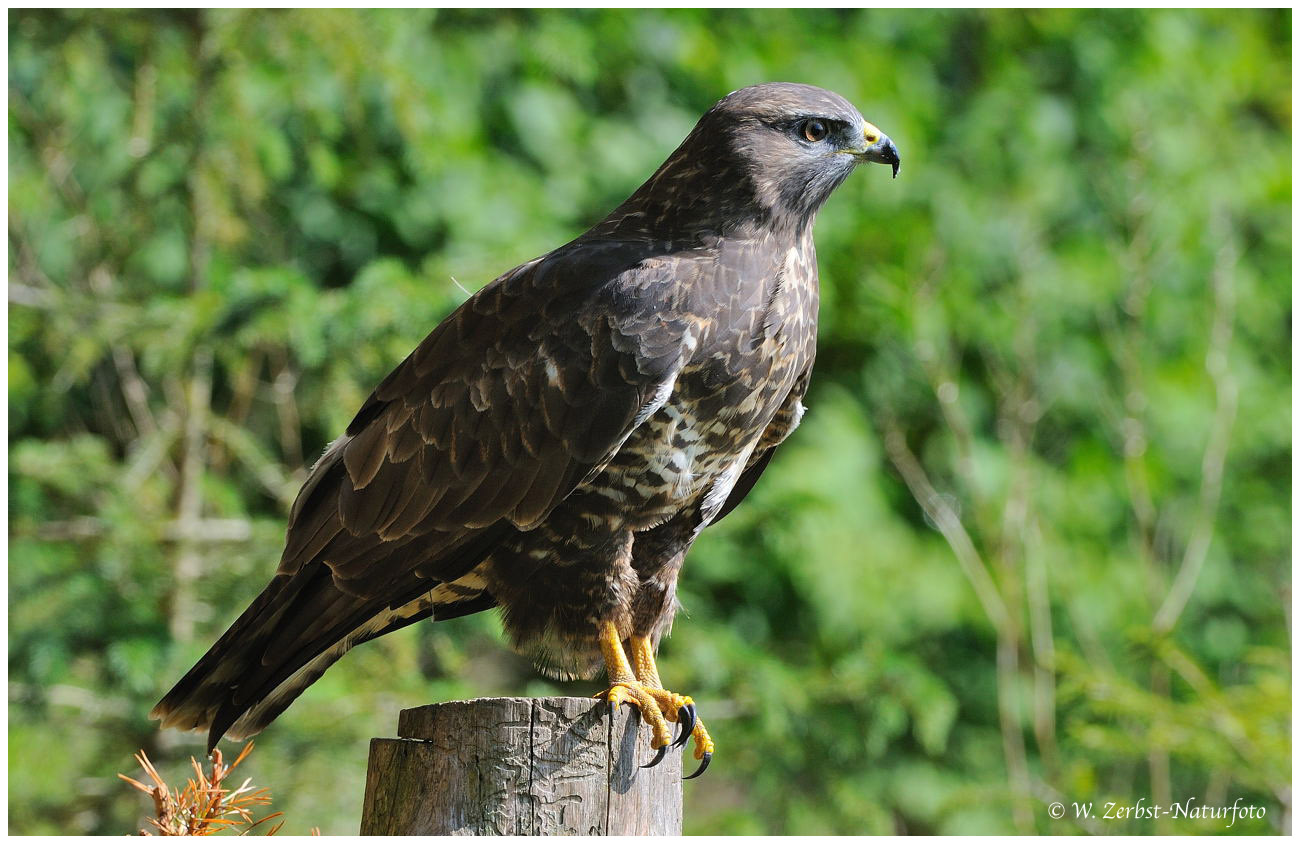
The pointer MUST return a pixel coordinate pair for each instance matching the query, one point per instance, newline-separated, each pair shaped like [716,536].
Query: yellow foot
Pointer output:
[657,705]
[703,748]
[631,691]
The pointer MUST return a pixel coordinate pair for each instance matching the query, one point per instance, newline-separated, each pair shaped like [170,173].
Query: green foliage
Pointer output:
[1030,544]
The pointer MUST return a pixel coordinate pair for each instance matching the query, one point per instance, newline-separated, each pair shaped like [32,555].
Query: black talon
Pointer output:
[704,763]
[686,717]
[659,757]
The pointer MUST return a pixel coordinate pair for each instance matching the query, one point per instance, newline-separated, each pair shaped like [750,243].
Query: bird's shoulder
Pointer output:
[593,313]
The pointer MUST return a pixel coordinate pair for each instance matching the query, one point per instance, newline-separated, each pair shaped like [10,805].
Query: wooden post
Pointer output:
[521,766]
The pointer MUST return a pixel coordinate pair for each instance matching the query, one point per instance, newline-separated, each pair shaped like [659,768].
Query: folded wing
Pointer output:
[504,409]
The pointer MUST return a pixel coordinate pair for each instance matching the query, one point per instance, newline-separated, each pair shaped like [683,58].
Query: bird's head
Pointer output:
[770,153]
[798,142]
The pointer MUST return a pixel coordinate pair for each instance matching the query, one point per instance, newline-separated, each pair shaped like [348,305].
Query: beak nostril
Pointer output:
[880,149]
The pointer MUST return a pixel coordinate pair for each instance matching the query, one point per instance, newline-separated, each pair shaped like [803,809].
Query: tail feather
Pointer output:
[267,709]
[255,670]
[193,701]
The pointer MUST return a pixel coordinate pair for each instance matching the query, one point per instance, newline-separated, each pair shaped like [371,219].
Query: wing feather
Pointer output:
[505,407]
[500,413]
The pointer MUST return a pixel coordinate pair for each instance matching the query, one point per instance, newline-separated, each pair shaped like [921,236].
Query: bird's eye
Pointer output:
[813,130]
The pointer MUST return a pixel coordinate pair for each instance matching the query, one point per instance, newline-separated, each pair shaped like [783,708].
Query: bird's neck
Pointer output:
[684,202]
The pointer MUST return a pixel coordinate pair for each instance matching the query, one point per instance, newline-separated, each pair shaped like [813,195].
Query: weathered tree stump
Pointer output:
[521,766]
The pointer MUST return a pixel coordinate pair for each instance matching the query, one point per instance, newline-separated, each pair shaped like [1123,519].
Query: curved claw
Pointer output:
[659,757]
[704,764]
[687,717]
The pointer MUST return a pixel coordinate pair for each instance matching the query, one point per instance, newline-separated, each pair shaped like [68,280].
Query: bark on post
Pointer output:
[521,766]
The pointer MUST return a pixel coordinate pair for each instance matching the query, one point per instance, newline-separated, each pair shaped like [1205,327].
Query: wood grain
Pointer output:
[521,766]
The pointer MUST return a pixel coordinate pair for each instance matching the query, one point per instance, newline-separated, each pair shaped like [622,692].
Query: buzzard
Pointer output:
[555,445]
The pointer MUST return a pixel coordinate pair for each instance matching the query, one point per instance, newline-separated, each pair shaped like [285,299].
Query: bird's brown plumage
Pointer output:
[556,444]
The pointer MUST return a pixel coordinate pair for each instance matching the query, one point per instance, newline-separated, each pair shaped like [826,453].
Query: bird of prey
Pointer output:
[555,445]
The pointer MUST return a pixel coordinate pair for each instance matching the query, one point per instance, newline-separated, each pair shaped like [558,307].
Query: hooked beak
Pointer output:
[881,149]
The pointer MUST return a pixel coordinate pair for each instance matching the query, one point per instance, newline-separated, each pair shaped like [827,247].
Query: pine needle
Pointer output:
[206,805]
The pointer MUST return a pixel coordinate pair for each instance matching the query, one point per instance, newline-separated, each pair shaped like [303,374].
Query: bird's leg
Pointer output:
[643,661]
[675,707]
[637,682]
[624,687]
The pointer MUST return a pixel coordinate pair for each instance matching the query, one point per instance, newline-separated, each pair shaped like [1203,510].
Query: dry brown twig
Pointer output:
[206,805]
